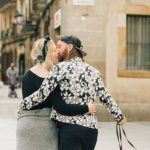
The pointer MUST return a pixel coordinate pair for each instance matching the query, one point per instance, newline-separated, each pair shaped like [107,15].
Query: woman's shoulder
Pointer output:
[31,73]
[27,74]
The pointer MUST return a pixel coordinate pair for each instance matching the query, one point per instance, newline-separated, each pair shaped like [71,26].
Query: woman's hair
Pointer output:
[37,54]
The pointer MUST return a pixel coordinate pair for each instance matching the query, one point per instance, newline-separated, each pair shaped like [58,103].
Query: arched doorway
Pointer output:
[7,58]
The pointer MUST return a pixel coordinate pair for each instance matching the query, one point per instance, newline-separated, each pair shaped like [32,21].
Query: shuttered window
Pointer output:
[138,43]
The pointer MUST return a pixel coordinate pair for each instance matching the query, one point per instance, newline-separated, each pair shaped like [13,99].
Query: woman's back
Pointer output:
[30,83]
[35,130]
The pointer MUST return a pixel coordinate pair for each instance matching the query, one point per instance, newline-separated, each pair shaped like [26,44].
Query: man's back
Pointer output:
[78,87]
[78,84]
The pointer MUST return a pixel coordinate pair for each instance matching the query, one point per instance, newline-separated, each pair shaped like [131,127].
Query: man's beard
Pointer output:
[63,56]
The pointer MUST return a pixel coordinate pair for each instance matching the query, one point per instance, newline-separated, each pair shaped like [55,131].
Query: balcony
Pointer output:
[7,34]
[39,4]
[40,1]
[4,35]
[28,28]
[5,4]
[35,16]
[37,9]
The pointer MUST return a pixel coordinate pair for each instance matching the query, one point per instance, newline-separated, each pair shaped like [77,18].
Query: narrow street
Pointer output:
[137,132]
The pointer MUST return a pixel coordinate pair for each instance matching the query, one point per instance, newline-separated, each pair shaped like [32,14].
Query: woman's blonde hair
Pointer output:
[37,51]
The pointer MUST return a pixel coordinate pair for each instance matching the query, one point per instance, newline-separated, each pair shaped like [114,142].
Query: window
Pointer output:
[138,43]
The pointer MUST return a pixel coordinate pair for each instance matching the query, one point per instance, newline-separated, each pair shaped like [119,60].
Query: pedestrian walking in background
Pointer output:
[12,74]
[35,130]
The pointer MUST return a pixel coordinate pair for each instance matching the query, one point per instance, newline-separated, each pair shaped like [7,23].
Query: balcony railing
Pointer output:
[28,28]
[4,35]
[8,33]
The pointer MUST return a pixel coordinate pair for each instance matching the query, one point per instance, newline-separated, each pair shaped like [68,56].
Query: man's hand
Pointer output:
[123,121]
[92,108]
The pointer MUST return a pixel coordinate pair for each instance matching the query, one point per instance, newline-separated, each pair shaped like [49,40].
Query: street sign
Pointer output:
[57,19]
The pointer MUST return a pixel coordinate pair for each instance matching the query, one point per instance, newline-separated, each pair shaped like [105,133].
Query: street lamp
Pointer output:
[22,27]
[18,18]
[18,23]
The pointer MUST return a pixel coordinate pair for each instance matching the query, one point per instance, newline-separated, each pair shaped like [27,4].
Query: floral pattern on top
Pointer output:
[79,83]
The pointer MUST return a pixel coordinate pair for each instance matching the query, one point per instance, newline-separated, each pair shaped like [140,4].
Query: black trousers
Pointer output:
[76,137]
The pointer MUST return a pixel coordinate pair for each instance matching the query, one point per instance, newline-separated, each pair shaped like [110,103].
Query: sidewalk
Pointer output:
[4,90]
[137,132]
[9,106]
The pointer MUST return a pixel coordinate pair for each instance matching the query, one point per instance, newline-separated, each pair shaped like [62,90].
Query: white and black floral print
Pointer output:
[79,83]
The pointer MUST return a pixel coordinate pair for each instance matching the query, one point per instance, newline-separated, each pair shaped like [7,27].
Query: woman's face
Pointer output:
[54,56]
[53,53]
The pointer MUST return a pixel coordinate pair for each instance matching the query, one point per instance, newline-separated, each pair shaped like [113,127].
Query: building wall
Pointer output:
[8,52]
[56,5]
[88,23]
[131,91]
[23,8]
[102,29]
[7,18]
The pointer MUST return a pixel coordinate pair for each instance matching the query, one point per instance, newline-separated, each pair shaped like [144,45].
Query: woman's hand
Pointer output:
[92,108]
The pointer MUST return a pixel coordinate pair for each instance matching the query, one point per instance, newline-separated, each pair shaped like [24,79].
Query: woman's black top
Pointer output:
[31,83]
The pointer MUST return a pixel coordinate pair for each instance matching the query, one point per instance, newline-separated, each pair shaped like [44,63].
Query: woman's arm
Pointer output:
[64,108]
[48,85]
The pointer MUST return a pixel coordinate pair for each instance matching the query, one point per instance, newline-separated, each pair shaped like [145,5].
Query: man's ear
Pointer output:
[70,47]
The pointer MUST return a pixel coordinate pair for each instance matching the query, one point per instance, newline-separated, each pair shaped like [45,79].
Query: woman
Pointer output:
[35,130]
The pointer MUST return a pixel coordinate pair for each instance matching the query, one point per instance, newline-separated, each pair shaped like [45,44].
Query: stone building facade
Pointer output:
[114,33]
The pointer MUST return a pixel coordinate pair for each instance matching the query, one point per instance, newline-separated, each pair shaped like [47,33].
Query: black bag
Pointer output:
[119,130]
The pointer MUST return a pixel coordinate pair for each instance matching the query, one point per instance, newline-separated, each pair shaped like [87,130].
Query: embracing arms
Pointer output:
[30,100]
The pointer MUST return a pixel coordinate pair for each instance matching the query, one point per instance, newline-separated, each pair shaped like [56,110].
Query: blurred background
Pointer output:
[114,33]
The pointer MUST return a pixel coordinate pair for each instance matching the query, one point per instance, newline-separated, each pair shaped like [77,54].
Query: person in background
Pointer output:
[35,130]
[12,74]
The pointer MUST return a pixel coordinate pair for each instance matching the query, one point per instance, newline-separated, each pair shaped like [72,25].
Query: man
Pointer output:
[79,83]
[12,74]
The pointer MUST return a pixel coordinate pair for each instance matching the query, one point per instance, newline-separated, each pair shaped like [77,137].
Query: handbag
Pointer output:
[119,131]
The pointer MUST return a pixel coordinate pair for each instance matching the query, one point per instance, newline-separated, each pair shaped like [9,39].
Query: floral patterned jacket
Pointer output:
[79,83]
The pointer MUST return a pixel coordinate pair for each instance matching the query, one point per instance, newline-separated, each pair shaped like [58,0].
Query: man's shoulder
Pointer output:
[66,65]
[92,68]
[8,68]
[63,64]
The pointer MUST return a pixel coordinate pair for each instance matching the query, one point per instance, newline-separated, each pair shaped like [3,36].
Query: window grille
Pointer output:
[138,43]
